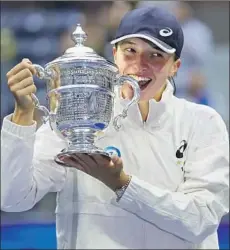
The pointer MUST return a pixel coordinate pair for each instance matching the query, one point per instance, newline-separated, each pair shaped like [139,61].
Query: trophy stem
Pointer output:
[81,141]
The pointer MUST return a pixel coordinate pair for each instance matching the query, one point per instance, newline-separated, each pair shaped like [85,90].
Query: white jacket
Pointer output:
[170,203]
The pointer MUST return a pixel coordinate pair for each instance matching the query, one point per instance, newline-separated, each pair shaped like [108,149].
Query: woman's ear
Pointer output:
[175,67]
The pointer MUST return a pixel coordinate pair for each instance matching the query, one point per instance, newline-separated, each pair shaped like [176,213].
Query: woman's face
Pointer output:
[150,66]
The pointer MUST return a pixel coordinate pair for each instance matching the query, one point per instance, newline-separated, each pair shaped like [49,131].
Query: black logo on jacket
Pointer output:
[181,149]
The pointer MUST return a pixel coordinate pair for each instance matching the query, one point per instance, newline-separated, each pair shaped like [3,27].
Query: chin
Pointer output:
[145,97]
[151,92]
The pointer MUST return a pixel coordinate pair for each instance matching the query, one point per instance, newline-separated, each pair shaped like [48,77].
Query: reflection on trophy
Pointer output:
[80,90]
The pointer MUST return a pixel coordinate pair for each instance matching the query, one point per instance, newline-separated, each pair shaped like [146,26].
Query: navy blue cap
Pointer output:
[155,24]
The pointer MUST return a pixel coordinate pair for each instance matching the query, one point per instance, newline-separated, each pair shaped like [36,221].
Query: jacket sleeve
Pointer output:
[28,171]
[194,211]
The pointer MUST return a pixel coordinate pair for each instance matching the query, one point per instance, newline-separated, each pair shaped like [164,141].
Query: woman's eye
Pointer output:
[131,50]
[155,55]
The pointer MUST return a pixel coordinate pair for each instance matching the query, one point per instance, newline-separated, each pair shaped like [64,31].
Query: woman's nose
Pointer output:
[141,64]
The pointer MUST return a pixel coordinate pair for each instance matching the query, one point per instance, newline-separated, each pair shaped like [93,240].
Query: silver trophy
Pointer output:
[80,93]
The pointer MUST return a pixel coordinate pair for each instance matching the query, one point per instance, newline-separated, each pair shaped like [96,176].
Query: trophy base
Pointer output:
[81,141]
[69,152]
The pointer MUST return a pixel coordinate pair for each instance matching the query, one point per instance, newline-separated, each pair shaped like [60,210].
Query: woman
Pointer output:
[169,188]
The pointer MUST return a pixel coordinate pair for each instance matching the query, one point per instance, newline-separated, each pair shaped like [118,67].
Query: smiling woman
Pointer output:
[148,193]
[150,65]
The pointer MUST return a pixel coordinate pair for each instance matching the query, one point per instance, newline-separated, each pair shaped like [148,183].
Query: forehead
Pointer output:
[141,42]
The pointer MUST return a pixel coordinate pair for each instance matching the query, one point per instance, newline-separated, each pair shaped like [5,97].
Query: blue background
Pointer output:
[43,236]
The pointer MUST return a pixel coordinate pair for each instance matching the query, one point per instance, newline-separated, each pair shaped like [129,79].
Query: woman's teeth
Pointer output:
[142,81]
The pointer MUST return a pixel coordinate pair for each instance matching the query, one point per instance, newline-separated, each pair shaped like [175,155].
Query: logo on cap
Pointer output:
[166,32]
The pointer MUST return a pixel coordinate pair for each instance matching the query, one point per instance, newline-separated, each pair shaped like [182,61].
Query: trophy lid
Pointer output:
[79,51]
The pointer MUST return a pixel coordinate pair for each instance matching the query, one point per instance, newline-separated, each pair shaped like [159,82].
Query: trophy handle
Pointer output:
[136,89]
[46,112]
[46,75]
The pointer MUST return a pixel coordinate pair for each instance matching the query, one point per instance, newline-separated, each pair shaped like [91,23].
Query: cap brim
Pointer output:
[162,45]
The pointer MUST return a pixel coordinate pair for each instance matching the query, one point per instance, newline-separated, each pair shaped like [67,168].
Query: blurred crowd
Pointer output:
[41,31]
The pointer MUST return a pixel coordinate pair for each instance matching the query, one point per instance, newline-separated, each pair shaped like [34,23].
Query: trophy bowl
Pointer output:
[80,93]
